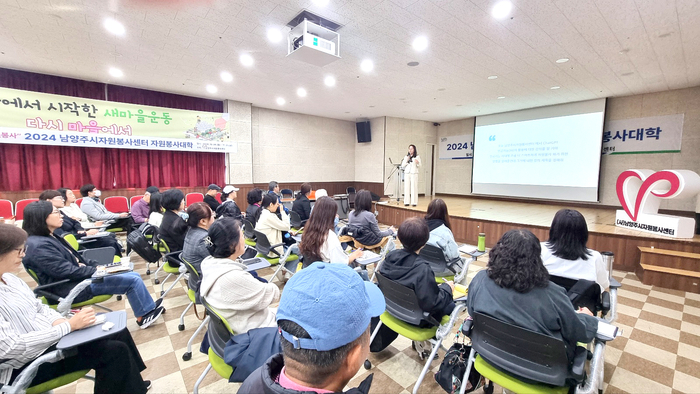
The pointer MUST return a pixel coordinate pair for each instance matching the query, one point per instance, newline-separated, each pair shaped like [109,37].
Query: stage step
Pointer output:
[671,269]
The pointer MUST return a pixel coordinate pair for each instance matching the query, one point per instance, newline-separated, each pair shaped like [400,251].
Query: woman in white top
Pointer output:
[565,253]
[410,165]
[155,215]
[319,242]
[270,224]
[71,209]
[228,287]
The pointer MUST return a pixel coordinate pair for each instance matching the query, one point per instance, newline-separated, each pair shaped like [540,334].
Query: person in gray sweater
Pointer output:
[194,249]
[515,288]
[362,216]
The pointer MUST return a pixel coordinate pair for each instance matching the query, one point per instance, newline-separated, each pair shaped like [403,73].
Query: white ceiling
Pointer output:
[616,47]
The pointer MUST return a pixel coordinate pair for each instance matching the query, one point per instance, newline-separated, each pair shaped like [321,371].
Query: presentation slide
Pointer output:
[545,153]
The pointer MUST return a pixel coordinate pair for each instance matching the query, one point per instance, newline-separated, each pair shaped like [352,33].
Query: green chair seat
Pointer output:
[191,295]
[249,242]
[276,260]
[57,382]
[223,369]
[512,383]
[439,279]
[115,230]
[170,269]
[410,331]
[94,300]
[297,231]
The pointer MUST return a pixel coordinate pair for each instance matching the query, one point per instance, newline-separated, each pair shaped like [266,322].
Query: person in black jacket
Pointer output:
[254,198]
[74,227]
[302,205]
[53,260]
[173,228]
[407,268]
[229,208]
[210,197]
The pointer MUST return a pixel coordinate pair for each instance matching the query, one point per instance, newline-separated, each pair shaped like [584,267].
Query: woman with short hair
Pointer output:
[515,288]
[565,253]
[228,287]
[271,225]
[252,213]
[195,249]
[363,218]
[302,205]
[320,242]
[441,236]
[29,328]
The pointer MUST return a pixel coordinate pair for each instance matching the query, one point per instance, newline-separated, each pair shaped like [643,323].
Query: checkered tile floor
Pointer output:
[659,351]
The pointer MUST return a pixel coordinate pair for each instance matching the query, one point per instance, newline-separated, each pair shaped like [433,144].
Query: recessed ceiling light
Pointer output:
[274,34]
[367,65]
[412,64]
[502,9]
[212,89]
[115,72]
[420,43]
[301,92]
[563,60]
[501,97]
[226,76]
[320,3]
[329,80]
[247,60]
[115,27]
[555,87]
[280,101]
[492,77]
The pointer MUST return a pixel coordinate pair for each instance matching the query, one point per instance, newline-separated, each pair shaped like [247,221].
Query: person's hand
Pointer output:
[337,216]
[585,311]
[75,218]
[392,229]
[82,319]
[99,223]
[243,214]
[123,214]
[451,284]
[355,255]
[81,265]
[92,232]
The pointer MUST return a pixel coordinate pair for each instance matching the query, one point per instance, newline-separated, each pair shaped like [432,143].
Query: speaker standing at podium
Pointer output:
[410,166]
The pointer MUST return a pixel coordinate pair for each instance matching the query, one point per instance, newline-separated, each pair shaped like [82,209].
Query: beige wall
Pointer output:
[240,170]
[369,156]
[400,133]
[454,176]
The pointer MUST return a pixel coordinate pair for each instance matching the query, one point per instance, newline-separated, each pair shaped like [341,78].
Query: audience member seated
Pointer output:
[210,197]
[302,205]
[274,188]
[242,299]
[515,289]
[173,228]
[565,253]
[323,193]
[323,343]
[53,260]
[362,217]
[252,213]
[320,242]
[228,207]
[71,209]
[155,209]
[438,220]
[30,329]
[92,206]
[273,226]
[74,227]
[194,249]
[141,209]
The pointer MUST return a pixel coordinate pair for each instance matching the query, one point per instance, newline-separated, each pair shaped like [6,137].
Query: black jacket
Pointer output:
[173,230]
[410,270]
[302,206]
[252,213]
[262,380]
[74,227]
[212,202]
[230,209]
[52,259]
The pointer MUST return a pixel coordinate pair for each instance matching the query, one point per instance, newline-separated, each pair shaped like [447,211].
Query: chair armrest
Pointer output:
[430,319]
[24,379]
[467,327]
[578,365]
[64,305]
[40,291]
[614,284]
[605,303]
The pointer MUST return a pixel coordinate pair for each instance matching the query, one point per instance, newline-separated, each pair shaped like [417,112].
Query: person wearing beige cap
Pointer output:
[229,208]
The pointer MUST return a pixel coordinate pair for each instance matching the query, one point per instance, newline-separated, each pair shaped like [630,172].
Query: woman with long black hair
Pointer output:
[320,243]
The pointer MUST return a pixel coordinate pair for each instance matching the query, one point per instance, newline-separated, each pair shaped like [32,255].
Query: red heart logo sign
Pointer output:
[626,185]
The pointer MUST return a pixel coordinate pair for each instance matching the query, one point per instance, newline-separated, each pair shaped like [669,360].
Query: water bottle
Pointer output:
[481,245]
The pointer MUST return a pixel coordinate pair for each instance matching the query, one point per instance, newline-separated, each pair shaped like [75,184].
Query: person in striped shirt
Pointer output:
[28,329]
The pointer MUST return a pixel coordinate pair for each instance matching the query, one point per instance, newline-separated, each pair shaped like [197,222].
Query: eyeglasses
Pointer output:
[55,212]
[58,198]
[22,250]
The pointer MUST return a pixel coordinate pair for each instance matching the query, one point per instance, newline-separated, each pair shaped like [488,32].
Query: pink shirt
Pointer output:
[287,383]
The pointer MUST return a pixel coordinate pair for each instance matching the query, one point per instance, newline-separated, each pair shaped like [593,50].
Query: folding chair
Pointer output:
[133,200]
[249,233]
[24,379]
[163,248]
[218,334]
[192,272]
[454,270]
[403,315]
[19,207]
[117,204]
[287,193]
[286,260]
[297,224]
[6,210]
[192,198]
[103,255]
[64,304]
[171,266]
[351,196]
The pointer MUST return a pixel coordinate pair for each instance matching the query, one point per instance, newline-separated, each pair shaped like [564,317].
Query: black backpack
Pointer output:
[139,242]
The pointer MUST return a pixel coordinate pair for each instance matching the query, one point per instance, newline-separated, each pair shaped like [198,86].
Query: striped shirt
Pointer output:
[26,329]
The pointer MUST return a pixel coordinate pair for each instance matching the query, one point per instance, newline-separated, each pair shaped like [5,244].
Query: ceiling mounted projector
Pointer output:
[313,39]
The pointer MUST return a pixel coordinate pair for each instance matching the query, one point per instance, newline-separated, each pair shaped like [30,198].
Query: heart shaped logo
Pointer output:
[634,184]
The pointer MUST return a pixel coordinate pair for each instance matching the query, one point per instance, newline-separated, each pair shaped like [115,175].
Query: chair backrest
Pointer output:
[79,201]
[33,275]
[402,302]
[436,258]
[6,210]
[218,197]
[287,193]
[295,220]
[132,200]
[219,331]
[262,244]
[524,353]
[117,204]
[192,198]
[190,268]
[20,205]
[70,238]
[248,230]
[350,190]
[581,292]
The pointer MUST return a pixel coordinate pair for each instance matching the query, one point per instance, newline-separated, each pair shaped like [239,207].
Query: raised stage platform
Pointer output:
[472,215]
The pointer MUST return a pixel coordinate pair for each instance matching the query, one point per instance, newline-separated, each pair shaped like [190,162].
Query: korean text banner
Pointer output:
[656,134]
[457,147]
[49,119]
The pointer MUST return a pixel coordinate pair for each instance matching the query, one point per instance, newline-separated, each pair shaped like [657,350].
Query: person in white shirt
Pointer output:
[155,212]
[565,253]
[271,225]
[410,164]
[71,209]
[319,242]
